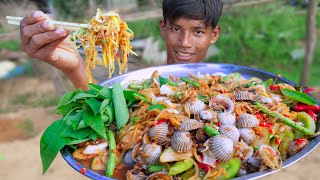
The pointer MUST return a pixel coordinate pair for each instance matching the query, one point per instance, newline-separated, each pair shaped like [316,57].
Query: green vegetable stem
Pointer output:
[210,131]
[112,155]
[284,119]
[193,83]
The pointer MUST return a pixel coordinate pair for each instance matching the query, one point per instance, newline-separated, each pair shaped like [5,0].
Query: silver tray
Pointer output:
[183,70]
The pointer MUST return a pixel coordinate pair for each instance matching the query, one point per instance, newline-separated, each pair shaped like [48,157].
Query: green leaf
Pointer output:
[110,112]
[51,143]
[63,110]
[157,106]
[82,124]
[235,76]
[68,96]
[94,105]
[95,122]
[94,136]
[268,83]
[163,80]
[104,104]
[147,83]
[120,106]
[77,141]
[298,96]
[76,134]
[74,120]
[102,92]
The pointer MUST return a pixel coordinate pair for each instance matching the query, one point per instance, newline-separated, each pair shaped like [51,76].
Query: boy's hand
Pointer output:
[41,40]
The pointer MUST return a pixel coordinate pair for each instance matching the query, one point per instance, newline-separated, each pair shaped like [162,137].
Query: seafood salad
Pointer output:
[202,126]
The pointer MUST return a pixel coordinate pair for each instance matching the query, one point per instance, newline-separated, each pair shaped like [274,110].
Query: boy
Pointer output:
[188,27]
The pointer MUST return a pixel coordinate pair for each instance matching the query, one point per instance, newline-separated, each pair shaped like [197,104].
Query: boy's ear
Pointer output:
[215,34]
[162,28]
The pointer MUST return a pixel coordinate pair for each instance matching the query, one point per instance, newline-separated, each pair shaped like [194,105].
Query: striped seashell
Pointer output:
[128,158]
[221,100]
[247,120]
[150,153]
[159,133]
[243,96]
[181,141]
[227,118]
[159,175]
[230,132]
[195,106]
[208,115]
[190,124]
[247,135]
[221,147]
[135,152]
[296,146]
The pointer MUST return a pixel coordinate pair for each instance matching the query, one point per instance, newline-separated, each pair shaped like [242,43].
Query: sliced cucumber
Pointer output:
[170,155]
[180,167]
[231,168]
[98,162]
[308,123]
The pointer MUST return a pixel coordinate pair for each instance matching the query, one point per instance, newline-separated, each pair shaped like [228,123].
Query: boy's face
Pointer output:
[187,39]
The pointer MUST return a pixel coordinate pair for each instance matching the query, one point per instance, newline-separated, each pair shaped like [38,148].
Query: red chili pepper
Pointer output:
[260,116]
[306,108]
[83,170]
[278,141]
[205,167]
[268,126]
[219,124]
[274,87]
[308,90]
[162,121]
[300,141]
[312,114]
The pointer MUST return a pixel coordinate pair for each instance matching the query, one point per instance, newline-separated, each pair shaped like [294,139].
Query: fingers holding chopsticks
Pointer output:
[36,31]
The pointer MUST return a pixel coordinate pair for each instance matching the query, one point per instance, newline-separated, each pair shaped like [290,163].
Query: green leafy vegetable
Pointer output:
[95,122]
[119,103]
[298,96]
[51,143]
[157,106]
[94,105]
[267,83]
[163,80]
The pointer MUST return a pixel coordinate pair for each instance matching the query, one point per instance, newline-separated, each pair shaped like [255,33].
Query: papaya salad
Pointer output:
[204,126]
[110,33]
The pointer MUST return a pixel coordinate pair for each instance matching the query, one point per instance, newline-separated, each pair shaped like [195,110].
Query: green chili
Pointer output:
[112,155]
[141,97]
[284,119]
[135,86]
[193,83]
[210,131]
[155,168]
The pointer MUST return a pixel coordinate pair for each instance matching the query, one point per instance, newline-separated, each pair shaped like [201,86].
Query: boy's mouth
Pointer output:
[184,56]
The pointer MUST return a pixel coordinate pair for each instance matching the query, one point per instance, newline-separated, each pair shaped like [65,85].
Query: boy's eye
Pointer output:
[176,29]
[198,32]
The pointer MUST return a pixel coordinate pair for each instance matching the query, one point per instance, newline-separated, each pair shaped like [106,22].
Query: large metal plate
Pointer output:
[183,70]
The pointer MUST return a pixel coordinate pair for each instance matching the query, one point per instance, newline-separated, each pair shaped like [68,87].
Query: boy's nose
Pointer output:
[185,40]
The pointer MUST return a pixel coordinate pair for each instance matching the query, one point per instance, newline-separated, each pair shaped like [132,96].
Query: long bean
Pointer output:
[193,83]
[284,119]
[112,155]
[210,131]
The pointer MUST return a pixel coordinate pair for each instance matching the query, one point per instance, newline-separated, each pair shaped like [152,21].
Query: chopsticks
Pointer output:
[67,25]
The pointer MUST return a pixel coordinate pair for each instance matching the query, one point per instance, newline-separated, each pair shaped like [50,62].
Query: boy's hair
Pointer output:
[207,10]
